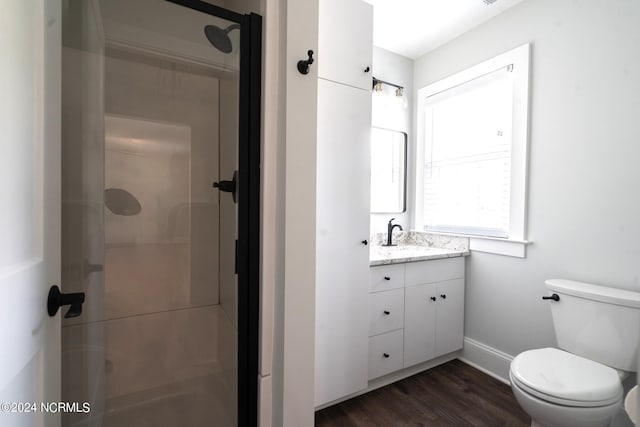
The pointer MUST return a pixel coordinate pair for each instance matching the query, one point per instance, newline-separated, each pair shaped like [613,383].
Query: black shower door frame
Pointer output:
[248,244]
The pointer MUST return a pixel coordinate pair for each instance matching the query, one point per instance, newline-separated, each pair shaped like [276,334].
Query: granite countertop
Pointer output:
[416,246]
[382,255]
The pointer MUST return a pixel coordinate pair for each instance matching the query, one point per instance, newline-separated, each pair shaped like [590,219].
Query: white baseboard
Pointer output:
[487,359]
[265,401]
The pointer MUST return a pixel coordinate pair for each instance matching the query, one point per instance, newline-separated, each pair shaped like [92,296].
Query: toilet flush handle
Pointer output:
[554,297]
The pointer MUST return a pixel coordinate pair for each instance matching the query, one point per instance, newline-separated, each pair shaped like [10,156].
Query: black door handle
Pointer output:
[229,186]
[57,299]
[554,297]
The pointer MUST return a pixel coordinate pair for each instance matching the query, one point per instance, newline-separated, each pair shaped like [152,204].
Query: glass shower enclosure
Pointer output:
[157,108]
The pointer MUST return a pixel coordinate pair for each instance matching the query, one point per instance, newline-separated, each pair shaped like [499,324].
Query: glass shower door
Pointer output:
[150,121]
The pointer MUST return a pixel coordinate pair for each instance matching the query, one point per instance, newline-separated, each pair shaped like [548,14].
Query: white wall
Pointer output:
[397,69]
[289,156]
[584,203]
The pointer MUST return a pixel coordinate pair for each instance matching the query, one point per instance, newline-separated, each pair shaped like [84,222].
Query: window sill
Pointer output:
[509,247]
[493,245]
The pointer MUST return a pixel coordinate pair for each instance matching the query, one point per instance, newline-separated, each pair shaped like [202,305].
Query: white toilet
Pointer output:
[580,384]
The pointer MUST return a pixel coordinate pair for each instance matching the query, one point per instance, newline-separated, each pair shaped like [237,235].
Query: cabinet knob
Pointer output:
[364,242]
[386,355]
[443,296]
[433,298]
[387,312]
[387,278]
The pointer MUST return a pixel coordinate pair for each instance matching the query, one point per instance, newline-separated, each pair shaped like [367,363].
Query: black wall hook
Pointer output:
[303,65]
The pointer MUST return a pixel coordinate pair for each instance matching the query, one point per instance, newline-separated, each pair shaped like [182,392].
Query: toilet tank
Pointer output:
[597,322]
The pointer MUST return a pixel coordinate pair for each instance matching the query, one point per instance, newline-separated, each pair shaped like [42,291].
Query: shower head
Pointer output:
[219,37]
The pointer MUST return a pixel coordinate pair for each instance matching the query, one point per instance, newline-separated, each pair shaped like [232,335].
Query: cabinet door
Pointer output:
[450,316]
[345,42]
[342,224]
[420,304]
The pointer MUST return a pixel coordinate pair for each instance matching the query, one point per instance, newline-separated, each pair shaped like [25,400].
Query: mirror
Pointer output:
[388,171]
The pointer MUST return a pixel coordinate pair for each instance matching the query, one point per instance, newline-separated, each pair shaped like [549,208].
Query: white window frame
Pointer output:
[518,59]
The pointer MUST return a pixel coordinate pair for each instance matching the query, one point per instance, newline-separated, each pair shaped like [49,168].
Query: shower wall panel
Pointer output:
[163,148]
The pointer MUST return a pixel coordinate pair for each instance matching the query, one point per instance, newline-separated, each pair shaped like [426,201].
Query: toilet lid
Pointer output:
[560,377]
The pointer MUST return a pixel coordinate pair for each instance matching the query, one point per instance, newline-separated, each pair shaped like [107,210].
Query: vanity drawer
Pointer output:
[386,277]
[437,270]
[386,311]
[385,353]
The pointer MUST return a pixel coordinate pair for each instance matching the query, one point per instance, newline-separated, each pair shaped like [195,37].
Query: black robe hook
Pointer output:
[303,65]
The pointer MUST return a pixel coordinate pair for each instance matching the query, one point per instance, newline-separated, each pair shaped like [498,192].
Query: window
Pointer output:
[472,141]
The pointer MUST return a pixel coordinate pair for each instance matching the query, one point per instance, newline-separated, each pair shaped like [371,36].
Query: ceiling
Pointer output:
[414,27]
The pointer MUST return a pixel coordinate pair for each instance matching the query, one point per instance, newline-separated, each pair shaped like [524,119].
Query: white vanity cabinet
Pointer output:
[432,309]
[342,206]
[345,48]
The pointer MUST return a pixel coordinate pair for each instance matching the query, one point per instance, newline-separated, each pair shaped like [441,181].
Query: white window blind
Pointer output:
[467,170]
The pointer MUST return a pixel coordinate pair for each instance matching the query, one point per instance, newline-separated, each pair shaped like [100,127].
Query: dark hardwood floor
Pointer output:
[452,394]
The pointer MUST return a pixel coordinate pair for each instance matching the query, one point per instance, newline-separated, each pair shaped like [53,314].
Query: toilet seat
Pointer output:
[562,378]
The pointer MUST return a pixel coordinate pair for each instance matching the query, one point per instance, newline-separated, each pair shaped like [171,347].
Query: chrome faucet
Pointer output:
[390,228]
